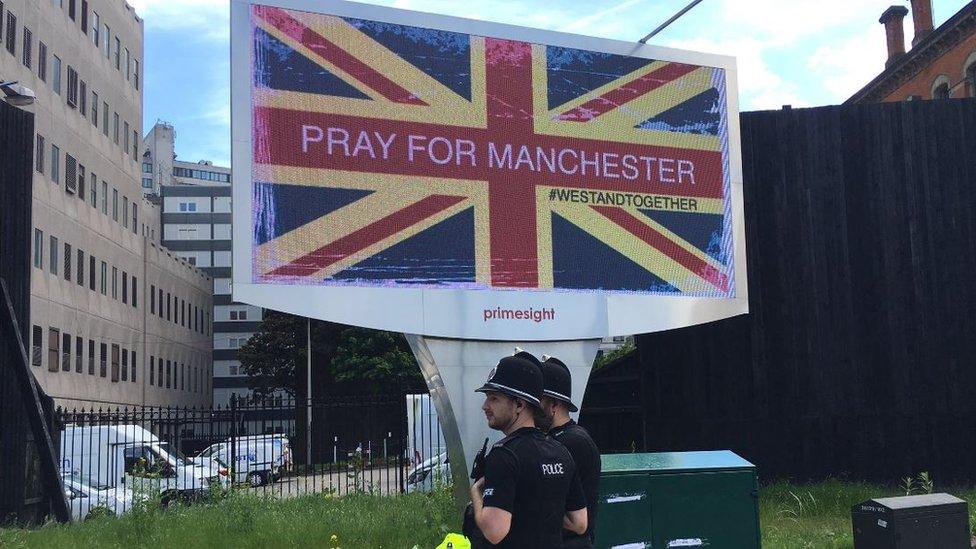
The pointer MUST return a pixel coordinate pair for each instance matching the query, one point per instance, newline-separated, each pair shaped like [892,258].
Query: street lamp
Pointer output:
[17,94]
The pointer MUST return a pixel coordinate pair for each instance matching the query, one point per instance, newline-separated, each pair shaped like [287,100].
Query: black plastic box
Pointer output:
[937,521]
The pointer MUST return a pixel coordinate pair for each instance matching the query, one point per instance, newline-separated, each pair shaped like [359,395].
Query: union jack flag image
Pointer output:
[392,155]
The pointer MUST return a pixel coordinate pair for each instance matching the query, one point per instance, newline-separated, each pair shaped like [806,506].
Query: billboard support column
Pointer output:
[454,368]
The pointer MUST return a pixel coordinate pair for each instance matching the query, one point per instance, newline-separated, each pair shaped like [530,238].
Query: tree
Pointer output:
[379,360]
[369,360]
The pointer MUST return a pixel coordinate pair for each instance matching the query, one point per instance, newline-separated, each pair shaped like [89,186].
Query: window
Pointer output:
[94,113]
[39,249]
[118,54]
[42,61]
[135,73]
[125,212]
[104,283]
[71,9]
[125,365]
[152,370]
[188,207]
[169,308]
[80,266]
[160,303]
[135,218]
[103,363]
[66,352]
[53,349]
[53,255]
[147,183]
[147,167]
[81,182]
[135,292]
[115,362]
[11,33]
[238,314]
[105,197]
[115,127]
[36,345]
[106,32]
[125,137]
[82,98]
[94,28]
[67,261]
[135,145]
[132,378]
[152,299]
[28,47]
[55,164]
[72,87]
[169,373]
[105,118]
[115,282]
[91,273]
[56,74]
[92,190]
[70,174]
[91,357]
[941,92]
[79,353]
[128,66]
[1,21]
[39,155]
[115,205]
[125,287]
[971,79]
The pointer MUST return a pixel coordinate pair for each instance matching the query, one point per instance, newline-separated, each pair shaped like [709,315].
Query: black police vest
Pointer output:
[588,464]
[544,471]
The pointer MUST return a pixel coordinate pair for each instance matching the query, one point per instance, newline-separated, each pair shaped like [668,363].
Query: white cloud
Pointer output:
[846,66]
[207,20]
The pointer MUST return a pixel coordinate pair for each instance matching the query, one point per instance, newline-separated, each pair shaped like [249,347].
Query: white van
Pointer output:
[258,459]
[131,457]
[429,474]
[86,497]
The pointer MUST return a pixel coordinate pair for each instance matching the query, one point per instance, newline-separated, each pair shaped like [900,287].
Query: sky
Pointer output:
[789,52]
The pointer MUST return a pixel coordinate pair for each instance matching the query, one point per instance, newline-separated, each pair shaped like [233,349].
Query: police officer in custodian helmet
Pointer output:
[530,489]
[556,401]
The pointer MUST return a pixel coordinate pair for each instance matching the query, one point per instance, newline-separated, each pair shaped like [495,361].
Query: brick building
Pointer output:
[940,64]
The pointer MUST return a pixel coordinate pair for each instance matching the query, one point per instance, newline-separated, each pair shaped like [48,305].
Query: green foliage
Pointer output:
[628,347]
[921,484]
[377,358]
[248,521]
[276,353]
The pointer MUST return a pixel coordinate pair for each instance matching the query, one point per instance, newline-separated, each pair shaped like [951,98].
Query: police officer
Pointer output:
[557,388]
[530,489]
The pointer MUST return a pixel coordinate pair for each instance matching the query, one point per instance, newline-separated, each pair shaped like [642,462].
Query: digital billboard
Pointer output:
[441,176]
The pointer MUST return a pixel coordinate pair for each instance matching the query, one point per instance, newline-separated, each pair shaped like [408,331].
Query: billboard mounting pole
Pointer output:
[673,18]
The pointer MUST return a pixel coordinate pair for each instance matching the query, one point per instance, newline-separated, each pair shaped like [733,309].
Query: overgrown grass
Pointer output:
[792,516]
[244,521]
[819,515]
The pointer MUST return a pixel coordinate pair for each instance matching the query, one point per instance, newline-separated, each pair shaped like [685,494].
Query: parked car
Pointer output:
[87,497]
[129,456]
[425,476]
[257,459]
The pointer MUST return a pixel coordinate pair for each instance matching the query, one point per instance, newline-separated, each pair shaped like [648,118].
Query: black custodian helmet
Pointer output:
[518,376]
[557,382]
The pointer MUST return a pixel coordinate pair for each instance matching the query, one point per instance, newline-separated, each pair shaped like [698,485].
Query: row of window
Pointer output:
[85,185]
[195,174]
[66,353]
[178,376]
[73,266]
[179,311]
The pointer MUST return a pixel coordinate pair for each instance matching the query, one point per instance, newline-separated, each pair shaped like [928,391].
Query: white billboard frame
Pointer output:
[457,313]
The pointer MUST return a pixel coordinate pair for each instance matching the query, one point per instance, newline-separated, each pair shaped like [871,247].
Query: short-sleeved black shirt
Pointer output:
[587,458]
[535,479]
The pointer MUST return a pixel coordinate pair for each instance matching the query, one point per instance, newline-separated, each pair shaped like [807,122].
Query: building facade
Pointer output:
[94,246]
[196,225]
[941,63]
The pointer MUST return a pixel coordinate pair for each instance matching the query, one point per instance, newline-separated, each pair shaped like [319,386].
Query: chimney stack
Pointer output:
[922,17]
[893,19]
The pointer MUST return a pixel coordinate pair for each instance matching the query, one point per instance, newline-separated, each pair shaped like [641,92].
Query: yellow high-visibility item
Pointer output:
[457,541]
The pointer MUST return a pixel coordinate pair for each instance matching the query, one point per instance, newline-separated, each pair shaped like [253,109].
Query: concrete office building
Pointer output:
[196,225]
[94,335]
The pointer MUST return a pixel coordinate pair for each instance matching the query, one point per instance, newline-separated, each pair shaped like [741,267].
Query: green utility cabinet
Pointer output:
[678,499]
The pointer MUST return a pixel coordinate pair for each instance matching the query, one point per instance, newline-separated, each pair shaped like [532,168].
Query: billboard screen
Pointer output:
[465,169]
